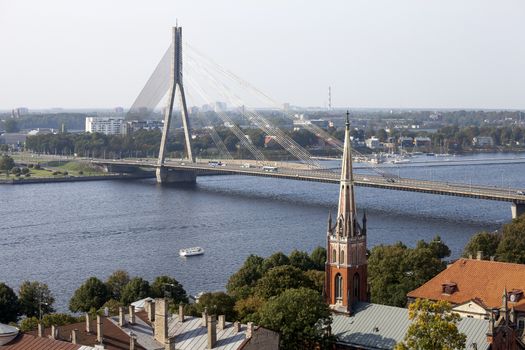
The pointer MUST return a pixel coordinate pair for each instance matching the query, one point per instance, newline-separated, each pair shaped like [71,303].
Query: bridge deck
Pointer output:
[301,174]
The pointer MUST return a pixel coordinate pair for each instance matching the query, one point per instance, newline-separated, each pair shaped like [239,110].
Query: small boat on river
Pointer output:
[191,251]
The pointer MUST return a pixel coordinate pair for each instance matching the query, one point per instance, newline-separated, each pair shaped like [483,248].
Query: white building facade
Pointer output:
[105,125]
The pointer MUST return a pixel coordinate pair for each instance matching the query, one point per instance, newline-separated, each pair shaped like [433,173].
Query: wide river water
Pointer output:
[63,233]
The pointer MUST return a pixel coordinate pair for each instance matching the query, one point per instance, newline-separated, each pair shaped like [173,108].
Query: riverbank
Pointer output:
[39,180]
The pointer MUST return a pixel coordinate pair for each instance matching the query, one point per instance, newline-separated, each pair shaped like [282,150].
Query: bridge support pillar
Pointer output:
[517,209]
[167,176]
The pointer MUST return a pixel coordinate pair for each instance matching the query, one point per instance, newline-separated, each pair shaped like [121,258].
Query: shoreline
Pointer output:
[39,180]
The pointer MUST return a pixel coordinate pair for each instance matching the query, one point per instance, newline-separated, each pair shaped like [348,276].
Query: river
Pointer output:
[63,233]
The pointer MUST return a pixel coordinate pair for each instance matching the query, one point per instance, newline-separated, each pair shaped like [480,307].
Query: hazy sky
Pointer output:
[388,53]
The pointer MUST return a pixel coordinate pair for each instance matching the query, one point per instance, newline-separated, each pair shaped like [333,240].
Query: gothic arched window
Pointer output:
[342,257]
[334,256]
[338,287]
[356,287]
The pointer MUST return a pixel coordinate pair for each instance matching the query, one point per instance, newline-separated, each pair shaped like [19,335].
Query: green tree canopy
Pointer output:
[485,242]
[9,306]
[280,278]
[394,270]
[11,125]
[318,257]
[136,289]
[240,283]
[301,260]
[299,315]
[116,282]
[511,248]
[434,327]
[247,308]
[274,260]
[6,162]
[165,286]
[35,297]
[91,295]
[217,303]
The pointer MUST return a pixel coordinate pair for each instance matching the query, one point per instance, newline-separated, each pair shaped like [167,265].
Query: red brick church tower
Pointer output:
[346,263]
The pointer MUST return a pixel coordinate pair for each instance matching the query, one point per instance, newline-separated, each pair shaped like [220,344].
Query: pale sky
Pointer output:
[374,53]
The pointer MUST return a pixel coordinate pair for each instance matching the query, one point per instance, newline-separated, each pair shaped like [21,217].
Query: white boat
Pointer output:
[191,251]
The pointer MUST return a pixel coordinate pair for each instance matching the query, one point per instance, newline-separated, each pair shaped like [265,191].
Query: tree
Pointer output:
[281,278]
[217,303]
[394,270]
[240,283]
[299,315]
[247,308]
[165,286]
[301,260]
[35,297]
[318,257]
[274,260]
[511,248]
[434,327]
[116,282]
[9,306]
[11,125]
[89,296]
[136,289]
[485,242]
[317,278]
[6,163]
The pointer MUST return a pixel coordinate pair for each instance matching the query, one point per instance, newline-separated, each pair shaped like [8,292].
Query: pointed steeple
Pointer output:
[347,210]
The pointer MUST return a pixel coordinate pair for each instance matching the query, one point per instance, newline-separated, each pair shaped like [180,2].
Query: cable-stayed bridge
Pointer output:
[168,79]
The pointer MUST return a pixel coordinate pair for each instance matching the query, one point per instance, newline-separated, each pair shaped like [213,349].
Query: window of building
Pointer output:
[356,286]
[338,287]
[342,257]
[334,256]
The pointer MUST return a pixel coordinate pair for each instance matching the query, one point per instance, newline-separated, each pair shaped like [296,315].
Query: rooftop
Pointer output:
[481,280]
[28,341]
[374,326]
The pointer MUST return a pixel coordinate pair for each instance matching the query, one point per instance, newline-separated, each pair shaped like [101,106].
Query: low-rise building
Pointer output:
[422,141]
[405,142]
[373,143]
[105,125]
[475,287]
[483,141]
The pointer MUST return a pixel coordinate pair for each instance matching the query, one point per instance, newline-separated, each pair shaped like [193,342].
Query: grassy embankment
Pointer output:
[58,169]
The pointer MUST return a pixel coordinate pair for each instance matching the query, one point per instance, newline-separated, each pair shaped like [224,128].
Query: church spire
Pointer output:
[346,215]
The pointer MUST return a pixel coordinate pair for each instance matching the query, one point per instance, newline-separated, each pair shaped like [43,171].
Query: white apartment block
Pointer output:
[105,125]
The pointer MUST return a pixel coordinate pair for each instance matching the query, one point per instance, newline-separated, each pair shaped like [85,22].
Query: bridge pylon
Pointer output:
[175,81]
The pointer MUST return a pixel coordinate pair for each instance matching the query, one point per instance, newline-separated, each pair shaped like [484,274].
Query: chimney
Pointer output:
[205,317]
[132,341]
[161,320]
[181,313]
[222,322]
[99,329]
[74,335]
[88,323]
[54,332]
[212,332]
[121,316]
[492,258]
[40,330]
[470,256]
[170,344]
[237,326]
[150,310]
[132,314]
[479,255]
[249,330]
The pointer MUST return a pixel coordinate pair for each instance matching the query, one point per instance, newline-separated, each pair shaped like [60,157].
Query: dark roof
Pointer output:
[114,337]
[26,341]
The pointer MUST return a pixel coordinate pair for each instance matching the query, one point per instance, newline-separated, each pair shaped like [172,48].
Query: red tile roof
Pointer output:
[30,342]
[476,279]
[114,337]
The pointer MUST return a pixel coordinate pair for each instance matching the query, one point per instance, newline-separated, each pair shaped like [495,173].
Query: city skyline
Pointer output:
[436,55]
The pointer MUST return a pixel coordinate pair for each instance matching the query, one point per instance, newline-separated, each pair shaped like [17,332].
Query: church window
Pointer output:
[338,287]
